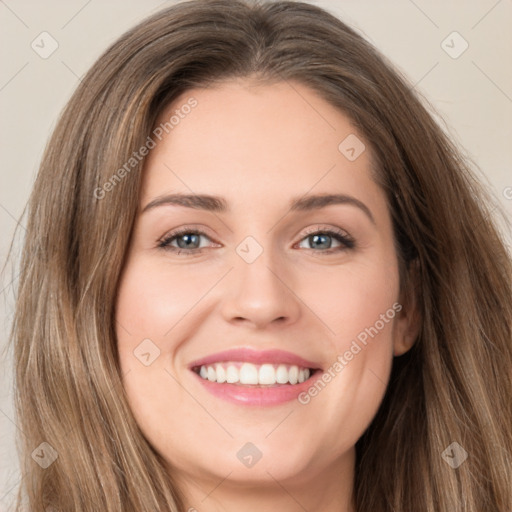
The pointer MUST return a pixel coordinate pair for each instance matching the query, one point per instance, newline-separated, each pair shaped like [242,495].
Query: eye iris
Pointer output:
[190,239]
[324,241]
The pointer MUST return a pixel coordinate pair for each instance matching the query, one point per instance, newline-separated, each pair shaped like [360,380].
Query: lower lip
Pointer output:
[257,395]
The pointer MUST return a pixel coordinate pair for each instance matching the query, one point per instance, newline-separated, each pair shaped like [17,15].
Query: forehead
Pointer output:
[248,141]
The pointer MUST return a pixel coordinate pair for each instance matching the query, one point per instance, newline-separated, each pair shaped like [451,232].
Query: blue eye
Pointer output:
[188,241]
[323,239]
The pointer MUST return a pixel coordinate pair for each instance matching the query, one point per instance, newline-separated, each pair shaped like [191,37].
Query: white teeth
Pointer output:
[304,374]
[232,375]
[247,373]
[293,375]
[267,374]
[221,373]
[282,374]
[212,374]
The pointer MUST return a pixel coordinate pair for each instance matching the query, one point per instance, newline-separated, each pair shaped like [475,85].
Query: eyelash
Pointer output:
[346,241]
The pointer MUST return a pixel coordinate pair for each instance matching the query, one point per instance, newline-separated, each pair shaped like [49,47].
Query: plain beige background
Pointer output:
[470,88]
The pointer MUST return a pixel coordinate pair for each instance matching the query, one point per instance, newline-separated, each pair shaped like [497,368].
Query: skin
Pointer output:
[259,146]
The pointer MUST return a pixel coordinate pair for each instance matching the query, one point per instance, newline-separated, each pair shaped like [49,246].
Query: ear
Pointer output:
[408,321]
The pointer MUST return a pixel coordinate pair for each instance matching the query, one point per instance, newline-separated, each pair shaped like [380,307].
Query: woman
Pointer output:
[182,341]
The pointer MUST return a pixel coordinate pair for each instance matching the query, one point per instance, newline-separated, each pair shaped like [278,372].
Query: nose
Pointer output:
[260,293]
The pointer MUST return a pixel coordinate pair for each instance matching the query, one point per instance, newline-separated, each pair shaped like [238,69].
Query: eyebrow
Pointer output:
[219,204]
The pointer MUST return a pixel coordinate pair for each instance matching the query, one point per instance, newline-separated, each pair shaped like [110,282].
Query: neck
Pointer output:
[327,490]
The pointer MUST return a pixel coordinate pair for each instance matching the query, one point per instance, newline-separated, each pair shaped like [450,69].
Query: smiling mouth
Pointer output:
[249,374]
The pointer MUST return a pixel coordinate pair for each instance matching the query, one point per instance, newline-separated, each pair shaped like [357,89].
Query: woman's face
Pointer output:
[285,257]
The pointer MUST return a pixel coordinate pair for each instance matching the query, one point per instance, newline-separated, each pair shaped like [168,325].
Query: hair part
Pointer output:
[453,385]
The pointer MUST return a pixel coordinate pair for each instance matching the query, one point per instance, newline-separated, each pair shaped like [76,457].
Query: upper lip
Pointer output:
[255,356]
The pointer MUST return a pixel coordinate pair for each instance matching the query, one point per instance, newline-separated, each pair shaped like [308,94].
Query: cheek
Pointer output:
[360,307]
[352,299]
[151,307]
[152,300]
[153,311]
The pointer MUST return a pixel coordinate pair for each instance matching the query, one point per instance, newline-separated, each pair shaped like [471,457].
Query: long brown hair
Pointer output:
[454,385]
